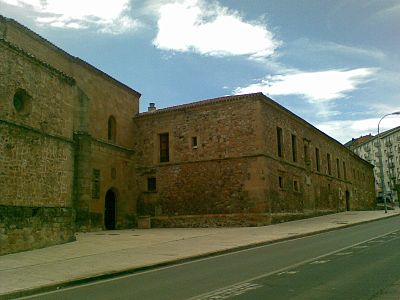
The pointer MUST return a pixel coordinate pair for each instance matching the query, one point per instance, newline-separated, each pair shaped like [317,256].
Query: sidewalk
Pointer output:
[108,252]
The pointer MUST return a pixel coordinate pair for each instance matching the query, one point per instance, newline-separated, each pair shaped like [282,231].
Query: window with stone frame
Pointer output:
[164,147]
[151,184]
[317,160]
[294,148]
[279,137]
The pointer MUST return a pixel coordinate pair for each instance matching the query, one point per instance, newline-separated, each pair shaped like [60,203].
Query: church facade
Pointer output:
[76,155]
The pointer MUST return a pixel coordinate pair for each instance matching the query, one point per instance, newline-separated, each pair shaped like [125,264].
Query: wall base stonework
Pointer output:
[231,220]
[25,228]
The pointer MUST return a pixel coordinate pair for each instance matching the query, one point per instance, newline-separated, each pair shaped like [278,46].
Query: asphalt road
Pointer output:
[358,262]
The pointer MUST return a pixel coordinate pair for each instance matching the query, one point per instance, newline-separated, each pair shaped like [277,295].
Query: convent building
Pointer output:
[77,155]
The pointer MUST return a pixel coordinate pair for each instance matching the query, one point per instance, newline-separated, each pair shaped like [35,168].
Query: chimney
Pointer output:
[152,107]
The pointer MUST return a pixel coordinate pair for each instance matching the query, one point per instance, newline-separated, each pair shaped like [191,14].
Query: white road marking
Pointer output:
[319,262]
[231,291]
[357,245]
[344,253]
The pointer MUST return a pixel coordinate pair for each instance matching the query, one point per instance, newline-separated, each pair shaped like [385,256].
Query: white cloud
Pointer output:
[313,86]
[107,16]
[345,130]
[191,25]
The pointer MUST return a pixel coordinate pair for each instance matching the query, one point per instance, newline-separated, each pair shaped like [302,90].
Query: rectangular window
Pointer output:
[194,142]
[294,148]
[295,185]
[338,167]
[344,171]
[328,159]
[95,184]
[151,184]
[280,182]
[164,147]
[317,160]
[279,136]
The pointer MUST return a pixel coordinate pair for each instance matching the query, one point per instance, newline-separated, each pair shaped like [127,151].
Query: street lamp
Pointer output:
[381,161]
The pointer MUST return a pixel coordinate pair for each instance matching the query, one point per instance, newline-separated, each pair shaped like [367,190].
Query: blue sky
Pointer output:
[334,63]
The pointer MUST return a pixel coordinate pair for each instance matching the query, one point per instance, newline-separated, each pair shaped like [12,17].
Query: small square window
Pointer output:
[151,184]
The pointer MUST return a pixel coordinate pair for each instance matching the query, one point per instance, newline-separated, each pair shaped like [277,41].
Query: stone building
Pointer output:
[66,152]
[369,150]
[242,160]
[76,155]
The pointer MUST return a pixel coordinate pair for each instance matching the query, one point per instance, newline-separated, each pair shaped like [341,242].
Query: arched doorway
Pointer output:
[347,200]
[110,210]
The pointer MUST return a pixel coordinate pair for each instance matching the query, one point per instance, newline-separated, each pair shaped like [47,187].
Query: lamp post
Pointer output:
[381,160]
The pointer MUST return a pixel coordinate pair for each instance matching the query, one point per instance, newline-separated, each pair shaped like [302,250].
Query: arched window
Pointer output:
[112,131]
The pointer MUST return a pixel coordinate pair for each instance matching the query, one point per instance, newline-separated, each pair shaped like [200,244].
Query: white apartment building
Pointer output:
[369,150]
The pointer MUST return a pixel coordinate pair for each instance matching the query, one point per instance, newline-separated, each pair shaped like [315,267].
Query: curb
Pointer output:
[113,274]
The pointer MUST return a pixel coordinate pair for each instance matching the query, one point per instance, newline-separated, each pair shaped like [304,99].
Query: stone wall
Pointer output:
[28,227]
[215,176]
[100,98]
[36,151]
[321,187]
[234,172]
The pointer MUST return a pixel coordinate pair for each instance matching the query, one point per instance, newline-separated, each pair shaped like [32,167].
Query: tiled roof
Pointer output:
[202,103]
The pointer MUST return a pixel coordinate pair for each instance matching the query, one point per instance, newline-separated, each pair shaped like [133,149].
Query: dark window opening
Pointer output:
[111,129]
[164,147]
[279,136]
[317,160]
[338,167]
[22,102]
[328,158]
[295,185]
[280,182]
[294,148]
[151,184]
[194,142]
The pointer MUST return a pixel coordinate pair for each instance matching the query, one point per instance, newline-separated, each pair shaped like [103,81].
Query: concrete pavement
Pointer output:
[105,253]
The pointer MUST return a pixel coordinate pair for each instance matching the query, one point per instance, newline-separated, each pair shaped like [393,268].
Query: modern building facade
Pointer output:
[76,155]
[369,150]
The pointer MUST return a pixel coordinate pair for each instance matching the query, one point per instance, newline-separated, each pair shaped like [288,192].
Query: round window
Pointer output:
[22,102]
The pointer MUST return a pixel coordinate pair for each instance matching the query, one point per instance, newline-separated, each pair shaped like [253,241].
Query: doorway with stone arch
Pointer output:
[110,211]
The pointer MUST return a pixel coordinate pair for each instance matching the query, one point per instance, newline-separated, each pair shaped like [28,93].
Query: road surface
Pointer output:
[358,262]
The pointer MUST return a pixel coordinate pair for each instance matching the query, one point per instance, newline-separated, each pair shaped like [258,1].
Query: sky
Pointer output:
[334,63]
